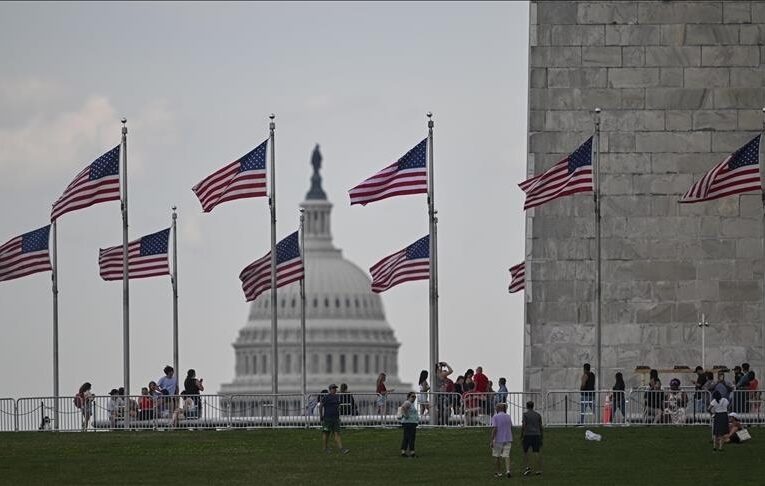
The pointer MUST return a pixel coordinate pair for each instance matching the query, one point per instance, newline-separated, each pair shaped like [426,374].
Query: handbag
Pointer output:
[743,435]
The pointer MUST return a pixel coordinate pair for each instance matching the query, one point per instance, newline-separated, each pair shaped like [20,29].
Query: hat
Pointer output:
[332,386]
[733,415]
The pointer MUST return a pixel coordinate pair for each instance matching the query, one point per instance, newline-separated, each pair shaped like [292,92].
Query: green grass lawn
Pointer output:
[644,456]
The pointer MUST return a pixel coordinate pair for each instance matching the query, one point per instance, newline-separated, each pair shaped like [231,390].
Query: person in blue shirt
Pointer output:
[329,412]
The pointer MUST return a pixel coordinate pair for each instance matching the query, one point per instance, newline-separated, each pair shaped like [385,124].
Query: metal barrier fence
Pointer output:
[7,414]
[559,408]
[644,407]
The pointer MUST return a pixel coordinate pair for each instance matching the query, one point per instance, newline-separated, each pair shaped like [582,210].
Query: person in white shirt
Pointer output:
[168,384]
[719,407]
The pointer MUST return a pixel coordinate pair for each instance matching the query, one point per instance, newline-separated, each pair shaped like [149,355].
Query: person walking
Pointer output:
[410,419]
[531,437]
[501,438]
[329,413]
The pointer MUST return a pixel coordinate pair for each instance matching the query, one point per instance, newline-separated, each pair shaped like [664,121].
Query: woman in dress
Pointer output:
[382,394]
[423,398]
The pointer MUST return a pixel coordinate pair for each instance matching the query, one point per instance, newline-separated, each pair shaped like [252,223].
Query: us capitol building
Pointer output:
[348,339]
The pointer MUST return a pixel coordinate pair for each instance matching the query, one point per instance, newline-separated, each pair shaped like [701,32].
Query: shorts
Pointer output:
[501,449]
[532,441]
[380,400]
[329,426]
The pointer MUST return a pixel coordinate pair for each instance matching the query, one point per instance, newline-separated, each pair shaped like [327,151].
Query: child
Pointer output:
[501,438]
[719,407]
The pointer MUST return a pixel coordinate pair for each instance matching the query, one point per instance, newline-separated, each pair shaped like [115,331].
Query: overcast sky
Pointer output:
[197,82]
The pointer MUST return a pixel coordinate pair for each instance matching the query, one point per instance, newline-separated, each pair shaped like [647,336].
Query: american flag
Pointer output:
[518,278]
[569,176]
[25,255]
[408,175]
[99,182]
[739,172]
[411,263]
[147,257]
[245,177]
[256,277]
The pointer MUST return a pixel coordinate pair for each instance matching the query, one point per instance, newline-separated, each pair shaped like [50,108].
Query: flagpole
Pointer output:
[762,187]
[54,287]
[174,281]
[272,203]
[125,276]
[303,375]
[433,298]
[598,298]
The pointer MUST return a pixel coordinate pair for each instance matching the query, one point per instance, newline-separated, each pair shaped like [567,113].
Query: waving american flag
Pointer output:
[147,257]
[411,263]
[256,277]
[408,175]
[99,182]
[517,278]
[739,172]
[569,176]
[25,255]
[244,177]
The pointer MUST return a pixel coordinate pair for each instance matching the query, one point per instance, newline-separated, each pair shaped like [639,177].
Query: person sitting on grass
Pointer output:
[531,437]
[501,438]
[734,425]
[329,412]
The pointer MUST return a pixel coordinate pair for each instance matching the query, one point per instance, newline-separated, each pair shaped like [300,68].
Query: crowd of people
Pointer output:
[160,399]
[670,405]
[471,394]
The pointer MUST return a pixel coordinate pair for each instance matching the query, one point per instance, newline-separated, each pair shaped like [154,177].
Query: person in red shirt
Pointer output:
[145,405]
[481,381]
[382,394]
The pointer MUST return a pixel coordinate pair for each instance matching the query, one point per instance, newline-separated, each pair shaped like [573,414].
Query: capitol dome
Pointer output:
[348,339]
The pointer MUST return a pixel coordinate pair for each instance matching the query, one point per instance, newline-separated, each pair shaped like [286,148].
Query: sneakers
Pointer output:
[412,455]
[527,471]
[345,451]
[327,451]
[508,475]
[498,475]
[403,453]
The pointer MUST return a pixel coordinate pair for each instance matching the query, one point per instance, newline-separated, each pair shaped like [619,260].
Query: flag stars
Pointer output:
[255,159]
[415,158]
[106,165]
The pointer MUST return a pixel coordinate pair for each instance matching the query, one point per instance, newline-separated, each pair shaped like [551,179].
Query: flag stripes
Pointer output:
[147,257]
[243,178]
[411,263]
[25,255]
[569,176]
[256,277]
[737,173]
[408,175]
[99,182]
[518,278]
